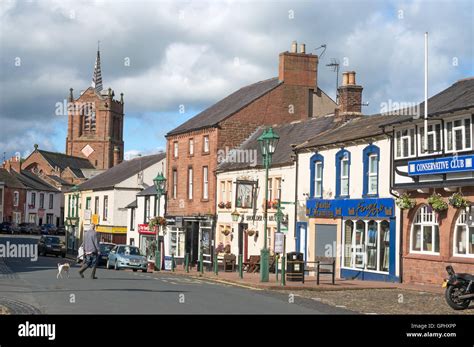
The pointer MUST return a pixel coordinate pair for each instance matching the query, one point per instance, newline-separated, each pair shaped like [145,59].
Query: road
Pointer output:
[31,287]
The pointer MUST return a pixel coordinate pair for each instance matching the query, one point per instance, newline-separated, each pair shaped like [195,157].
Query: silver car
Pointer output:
[126,257]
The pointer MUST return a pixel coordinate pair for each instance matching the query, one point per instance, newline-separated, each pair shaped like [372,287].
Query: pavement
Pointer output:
[31,287]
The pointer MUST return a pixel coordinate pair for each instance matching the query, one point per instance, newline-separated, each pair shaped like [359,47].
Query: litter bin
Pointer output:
[295,267]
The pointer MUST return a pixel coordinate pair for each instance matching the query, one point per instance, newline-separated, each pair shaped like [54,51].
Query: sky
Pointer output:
[173,59]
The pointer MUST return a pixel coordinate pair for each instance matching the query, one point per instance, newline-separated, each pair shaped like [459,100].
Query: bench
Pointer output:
[229,262]
[252,264]
[325,266]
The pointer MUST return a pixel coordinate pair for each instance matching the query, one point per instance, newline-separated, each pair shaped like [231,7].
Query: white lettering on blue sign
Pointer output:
[441,165]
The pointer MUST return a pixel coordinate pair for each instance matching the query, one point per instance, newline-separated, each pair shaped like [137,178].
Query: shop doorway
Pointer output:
[326,240]
[301,237]
[243,241]
[192,241]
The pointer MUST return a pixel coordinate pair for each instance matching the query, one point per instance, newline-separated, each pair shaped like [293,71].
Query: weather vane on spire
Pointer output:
[97,76]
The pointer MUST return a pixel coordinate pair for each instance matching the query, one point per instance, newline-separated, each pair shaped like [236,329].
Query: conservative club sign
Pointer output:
[441,165]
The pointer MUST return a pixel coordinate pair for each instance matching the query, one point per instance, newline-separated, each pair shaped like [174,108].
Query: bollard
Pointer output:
[276,266]
[241,269]
[186,262]
[172,262]
[283,270]
[201,264]
[216,265]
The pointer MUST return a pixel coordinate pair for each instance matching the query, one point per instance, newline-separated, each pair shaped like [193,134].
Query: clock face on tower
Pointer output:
[87,150]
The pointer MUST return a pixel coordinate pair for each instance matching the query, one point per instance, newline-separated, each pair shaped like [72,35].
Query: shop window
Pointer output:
[458,135]
[176,244]
[343,163]
[425,232]
[371,157]
[405,143]
[316,174]
[366,245]
[464,234]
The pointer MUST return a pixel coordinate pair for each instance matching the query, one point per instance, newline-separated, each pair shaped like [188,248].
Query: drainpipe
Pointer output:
[296,191]
[391,137]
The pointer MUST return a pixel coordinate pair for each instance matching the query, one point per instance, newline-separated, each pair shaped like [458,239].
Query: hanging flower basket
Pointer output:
[226,232]
[221,204]
[457,200]
[437,202]
[228,205]
[405,202]
[155,222]
[250,232]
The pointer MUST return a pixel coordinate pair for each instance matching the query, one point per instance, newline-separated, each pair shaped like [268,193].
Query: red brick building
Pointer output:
[95,124]
[14,197]
[193,148]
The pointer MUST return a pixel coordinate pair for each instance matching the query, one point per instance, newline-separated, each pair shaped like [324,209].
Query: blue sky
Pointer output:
[195,53]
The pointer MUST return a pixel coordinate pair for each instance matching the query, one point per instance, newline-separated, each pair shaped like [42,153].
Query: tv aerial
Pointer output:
[334,65]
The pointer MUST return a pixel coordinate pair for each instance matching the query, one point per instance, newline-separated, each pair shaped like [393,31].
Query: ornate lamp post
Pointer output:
[268,142]
[160,186]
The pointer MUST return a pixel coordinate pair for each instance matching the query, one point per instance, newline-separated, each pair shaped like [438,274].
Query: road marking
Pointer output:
[341,306]
[174,283]
[164,281]
[371,313]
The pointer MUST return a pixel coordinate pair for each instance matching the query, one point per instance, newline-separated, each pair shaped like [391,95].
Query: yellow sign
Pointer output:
[95,219]
[111,229]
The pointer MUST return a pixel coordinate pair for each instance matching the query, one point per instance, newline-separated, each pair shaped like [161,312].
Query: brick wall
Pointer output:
[8,207]
[422,268]
[105,137]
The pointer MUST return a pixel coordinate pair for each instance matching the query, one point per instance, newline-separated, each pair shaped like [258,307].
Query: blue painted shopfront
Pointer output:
[364,212]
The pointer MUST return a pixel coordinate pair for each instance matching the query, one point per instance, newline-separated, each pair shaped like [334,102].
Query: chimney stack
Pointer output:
[350,95]
[298,68]
[13,164]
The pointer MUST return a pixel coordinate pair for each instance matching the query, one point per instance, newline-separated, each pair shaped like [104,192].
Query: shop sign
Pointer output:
[87,215]
[143,229]
[365,208]
[259,218]
[441,165]
[95,219]
[111,229]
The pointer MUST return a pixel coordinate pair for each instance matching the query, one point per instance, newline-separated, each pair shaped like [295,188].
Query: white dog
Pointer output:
[63,268]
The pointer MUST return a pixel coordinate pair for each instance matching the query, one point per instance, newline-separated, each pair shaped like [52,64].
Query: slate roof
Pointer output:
[354,129]
[151,190]
[59,180]
[290,134]
[227,106]
[458,96]
[30,180]
[10,180]
[64,161]
[133,204]
[120,172]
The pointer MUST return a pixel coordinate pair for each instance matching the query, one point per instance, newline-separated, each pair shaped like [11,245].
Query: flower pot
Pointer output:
[251,233]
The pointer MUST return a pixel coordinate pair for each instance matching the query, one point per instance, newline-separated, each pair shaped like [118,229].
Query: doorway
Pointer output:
[301,237]
[326,240]
[243,241]
[192,241]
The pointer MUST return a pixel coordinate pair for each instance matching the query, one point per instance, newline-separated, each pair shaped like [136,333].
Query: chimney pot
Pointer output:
[303,48]
[294,47]
[352,77]
[345,78]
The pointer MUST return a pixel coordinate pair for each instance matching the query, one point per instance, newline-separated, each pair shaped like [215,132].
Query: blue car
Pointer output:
[126,257]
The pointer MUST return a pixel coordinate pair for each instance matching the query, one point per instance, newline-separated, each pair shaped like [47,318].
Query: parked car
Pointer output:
[51,245]
[126,257]
[105,249]
[29,228]
[49,229]
[9,228]
[61,231]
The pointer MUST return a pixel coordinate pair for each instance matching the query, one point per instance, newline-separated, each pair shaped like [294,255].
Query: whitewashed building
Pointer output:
[241,188]
[103,199]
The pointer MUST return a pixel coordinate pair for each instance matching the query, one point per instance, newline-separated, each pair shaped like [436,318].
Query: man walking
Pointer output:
[91,252]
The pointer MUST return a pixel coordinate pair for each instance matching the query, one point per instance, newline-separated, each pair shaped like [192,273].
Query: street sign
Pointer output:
[279,243]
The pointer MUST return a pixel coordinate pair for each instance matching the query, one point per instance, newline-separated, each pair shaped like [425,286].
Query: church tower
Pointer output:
[95,124]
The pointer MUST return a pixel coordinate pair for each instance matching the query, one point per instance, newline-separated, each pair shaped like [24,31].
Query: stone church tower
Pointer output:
[95,124]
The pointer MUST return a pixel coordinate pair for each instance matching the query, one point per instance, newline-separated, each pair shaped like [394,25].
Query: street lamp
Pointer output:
[74,218]
[160,186]
[268,142]
[235,216]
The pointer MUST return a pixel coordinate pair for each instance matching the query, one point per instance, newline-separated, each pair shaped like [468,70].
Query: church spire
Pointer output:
[97,77]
